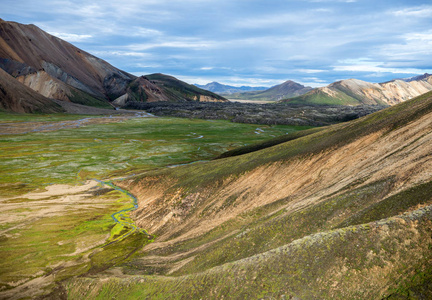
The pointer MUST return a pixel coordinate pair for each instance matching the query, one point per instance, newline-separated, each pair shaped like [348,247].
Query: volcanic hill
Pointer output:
[284,90]
[58,70]
[339,212]
[357,92]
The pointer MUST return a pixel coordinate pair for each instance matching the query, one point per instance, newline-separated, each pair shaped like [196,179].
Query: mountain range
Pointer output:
[344,92]
[224,89]
[58,70]
[356,92]
[284,90]
[55,69]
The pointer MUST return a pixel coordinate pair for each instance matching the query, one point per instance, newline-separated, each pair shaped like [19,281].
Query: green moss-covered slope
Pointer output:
[178,90]
[343,212]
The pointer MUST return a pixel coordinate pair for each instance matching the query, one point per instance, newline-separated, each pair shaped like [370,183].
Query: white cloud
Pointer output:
[419,12]
[72,37]
[123,53]
[413,46]
[368,66]
[189,43]
[310,71]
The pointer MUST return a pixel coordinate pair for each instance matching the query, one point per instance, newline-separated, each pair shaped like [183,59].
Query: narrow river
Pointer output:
[122,217]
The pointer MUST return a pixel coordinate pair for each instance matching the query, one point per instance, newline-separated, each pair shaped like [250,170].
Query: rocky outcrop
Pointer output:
[16,97]
[203,98]
[46,85]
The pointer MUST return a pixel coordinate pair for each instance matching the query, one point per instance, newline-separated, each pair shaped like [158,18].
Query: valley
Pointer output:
[61,216]
[119,185]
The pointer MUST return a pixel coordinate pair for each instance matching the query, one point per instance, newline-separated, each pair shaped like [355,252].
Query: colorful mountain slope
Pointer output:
[16,97]
[357,92]
[57,69]
[342,213]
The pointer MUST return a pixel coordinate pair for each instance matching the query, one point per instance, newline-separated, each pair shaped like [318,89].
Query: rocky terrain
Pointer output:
[269,114]
[339,213]
[356,92]
[15,96]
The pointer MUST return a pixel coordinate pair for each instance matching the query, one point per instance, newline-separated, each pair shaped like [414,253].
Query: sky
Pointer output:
[244,42]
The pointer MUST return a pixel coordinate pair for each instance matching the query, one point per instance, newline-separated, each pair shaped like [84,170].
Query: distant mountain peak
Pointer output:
[224,89]
[418,77]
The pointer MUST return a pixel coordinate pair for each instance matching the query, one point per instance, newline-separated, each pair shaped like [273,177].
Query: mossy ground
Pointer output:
[68,243]
[357,243]
[95,151]
[379,263]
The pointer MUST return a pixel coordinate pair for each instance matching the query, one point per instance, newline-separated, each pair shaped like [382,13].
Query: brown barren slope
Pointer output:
[343,213]
[16,97]
[35,48]
[357,92]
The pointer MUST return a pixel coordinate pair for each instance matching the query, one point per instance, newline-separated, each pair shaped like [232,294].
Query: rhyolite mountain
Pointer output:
[56,69]
[337,212]
[417,78]
[223,89]
[178,90]
[160,87]
[357,92]
[16,97]
[284,90]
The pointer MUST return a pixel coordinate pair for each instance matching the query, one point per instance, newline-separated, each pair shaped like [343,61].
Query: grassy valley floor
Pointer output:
[56,218]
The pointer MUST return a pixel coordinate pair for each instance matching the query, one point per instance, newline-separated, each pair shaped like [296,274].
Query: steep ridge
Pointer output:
[56,69]
[37,50]
[163,88]
[356,92]
[343,213]
[178,90]
[16,97]
[284,90]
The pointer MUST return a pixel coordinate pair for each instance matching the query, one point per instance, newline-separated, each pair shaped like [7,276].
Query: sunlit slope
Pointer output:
[358,92]
[16,97]
[343,213]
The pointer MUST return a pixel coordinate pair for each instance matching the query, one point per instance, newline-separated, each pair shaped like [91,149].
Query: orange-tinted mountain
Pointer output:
[338,212]
[56,69]
[16,97]
[27,50]
[357,92]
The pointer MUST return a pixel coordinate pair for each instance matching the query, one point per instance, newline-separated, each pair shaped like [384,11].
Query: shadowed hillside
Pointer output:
[342,213]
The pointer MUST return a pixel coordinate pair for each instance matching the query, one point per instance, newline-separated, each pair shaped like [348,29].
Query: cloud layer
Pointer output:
[245,41]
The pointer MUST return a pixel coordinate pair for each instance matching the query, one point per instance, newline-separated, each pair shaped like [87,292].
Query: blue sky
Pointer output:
[244,42]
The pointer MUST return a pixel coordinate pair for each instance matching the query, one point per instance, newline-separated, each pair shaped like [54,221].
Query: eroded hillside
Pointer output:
[357,92]
[342,213]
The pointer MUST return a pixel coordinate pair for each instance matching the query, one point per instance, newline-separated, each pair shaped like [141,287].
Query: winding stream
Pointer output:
[121,217]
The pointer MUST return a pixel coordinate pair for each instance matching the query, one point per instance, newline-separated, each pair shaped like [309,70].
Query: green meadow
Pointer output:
[57,236]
